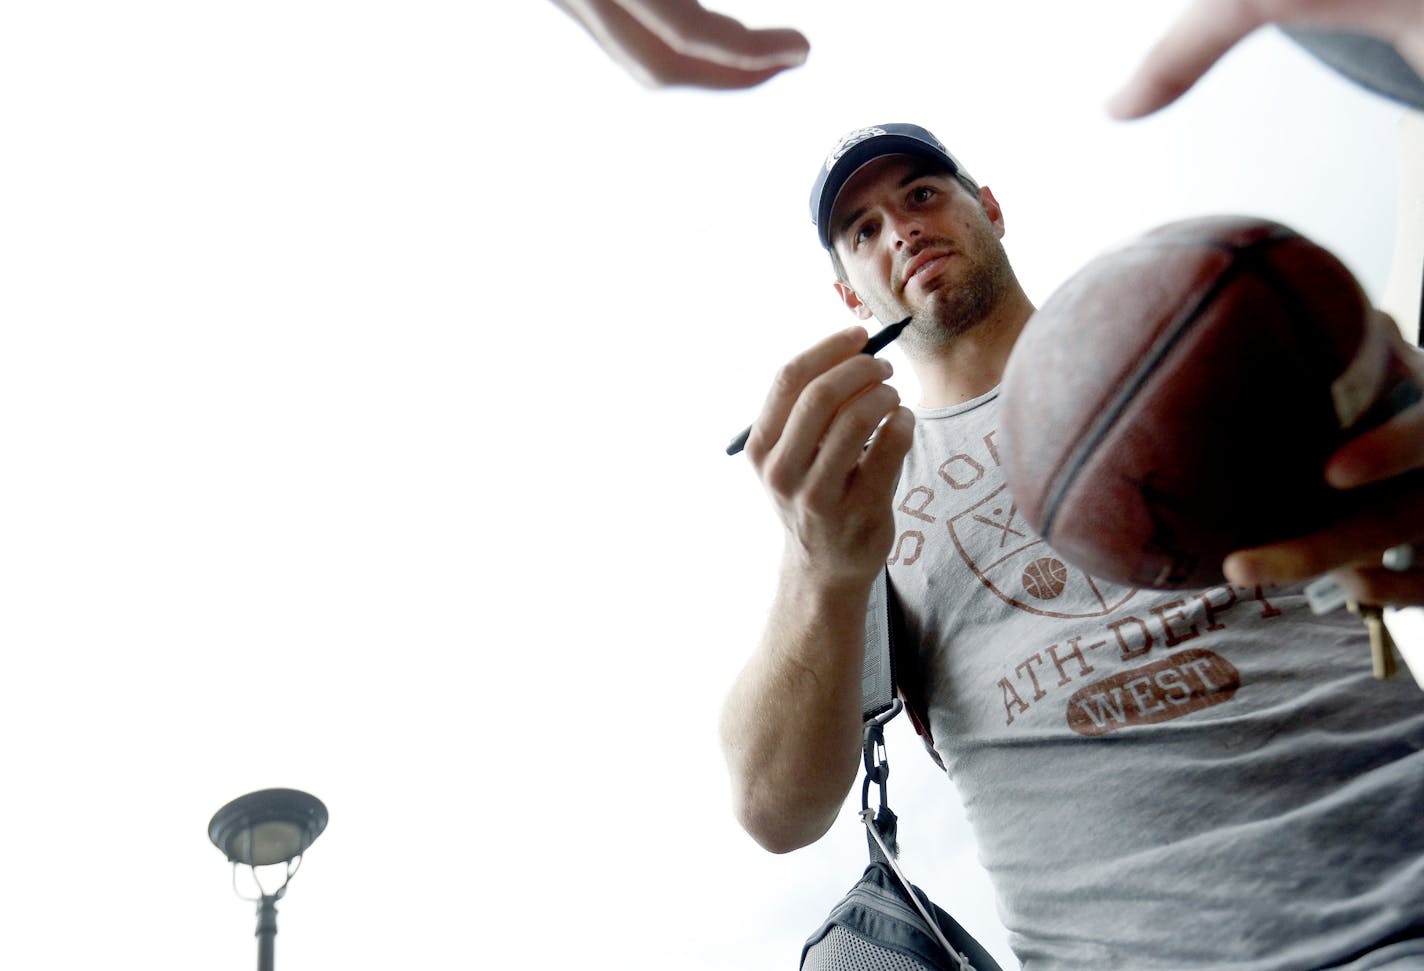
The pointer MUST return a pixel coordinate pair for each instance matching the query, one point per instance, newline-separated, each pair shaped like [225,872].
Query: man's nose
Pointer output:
[905,229]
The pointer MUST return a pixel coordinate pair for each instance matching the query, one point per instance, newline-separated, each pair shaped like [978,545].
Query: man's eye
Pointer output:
[864,231]
[922,193]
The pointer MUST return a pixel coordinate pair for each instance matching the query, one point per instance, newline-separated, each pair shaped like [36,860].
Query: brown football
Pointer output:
[1177,398]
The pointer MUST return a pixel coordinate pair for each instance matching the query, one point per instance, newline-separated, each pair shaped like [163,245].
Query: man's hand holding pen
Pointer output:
[832,491]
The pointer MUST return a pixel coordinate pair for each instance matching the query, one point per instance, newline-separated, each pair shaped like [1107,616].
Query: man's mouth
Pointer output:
[922,262]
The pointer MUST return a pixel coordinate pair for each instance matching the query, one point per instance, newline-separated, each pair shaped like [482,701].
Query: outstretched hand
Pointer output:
[1210,28]
[677,42]
[1392,455]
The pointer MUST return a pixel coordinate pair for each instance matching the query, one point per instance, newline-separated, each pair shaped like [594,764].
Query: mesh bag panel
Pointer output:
[874,928]
[842,950]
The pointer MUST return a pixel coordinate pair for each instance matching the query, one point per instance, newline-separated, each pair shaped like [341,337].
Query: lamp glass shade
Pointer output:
[271,826]
[272,842]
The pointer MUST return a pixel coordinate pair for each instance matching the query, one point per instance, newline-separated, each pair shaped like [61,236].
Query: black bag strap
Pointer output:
[879,704]
[877,687]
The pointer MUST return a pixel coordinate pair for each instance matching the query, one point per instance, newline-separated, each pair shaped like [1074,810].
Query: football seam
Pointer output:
[1245,256]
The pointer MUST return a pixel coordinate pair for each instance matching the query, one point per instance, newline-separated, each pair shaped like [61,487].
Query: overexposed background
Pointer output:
[365,371]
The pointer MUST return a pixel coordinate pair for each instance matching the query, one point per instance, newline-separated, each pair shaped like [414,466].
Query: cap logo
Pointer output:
[848,142]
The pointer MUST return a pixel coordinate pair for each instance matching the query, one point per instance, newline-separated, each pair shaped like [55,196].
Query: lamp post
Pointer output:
[267,828]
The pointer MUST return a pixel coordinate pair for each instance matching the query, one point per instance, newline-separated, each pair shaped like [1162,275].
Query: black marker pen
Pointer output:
[874,346]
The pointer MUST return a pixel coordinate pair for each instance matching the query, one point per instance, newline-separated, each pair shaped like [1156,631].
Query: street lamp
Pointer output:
[267,828]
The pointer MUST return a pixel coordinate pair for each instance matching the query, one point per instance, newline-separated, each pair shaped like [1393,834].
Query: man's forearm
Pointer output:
[791,725]
[828,446]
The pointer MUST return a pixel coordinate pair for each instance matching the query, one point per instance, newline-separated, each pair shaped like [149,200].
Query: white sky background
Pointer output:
[365,375]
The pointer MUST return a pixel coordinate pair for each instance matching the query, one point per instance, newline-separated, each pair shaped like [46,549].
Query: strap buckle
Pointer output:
[877,766]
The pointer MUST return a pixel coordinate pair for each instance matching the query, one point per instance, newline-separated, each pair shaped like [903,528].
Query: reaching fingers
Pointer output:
[1205,31]
[1209,28]
[675,42]
[713,38]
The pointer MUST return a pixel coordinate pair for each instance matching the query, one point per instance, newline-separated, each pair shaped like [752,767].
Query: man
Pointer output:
[1156,779]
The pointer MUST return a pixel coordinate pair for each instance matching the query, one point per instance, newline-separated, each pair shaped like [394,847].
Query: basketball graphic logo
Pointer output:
[1045,578]
[1015,563]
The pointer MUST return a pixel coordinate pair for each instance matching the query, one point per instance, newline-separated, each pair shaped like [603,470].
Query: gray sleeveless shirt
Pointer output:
[1183,779]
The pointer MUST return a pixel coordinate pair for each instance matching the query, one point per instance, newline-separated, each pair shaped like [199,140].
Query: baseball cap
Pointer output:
[864,145]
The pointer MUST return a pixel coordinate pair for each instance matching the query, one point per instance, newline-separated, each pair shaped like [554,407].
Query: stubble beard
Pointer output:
[956,309]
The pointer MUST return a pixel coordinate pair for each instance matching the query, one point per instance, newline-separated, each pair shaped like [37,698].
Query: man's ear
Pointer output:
[990,205]
[852,300]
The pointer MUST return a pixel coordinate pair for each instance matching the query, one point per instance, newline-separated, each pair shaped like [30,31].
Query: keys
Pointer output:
[1381,643]
[1326,594]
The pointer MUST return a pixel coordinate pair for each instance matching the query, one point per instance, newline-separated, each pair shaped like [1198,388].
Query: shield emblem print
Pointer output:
[1013,561]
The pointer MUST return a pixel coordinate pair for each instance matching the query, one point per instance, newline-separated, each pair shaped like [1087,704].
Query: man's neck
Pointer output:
[973,363]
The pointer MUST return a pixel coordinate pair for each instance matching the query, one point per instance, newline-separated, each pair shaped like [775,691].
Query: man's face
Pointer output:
[915,242]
